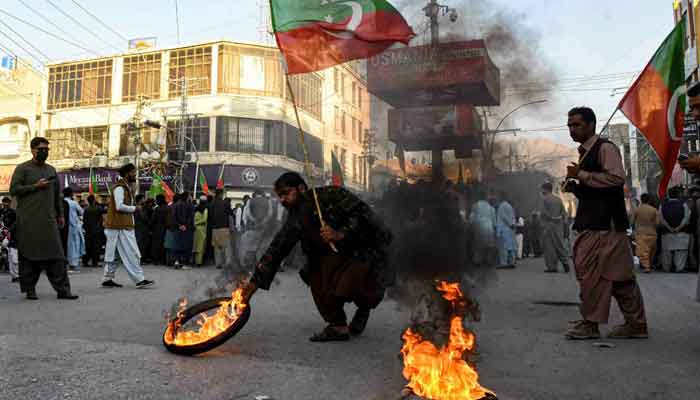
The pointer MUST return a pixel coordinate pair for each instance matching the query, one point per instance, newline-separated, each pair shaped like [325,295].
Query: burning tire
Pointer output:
[212,342]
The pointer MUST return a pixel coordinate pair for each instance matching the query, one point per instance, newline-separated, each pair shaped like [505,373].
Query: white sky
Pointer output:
[579,38]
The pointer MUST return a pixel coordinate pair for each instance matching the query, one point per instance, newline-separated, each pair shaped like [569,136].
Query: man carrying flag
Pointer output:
[203,182]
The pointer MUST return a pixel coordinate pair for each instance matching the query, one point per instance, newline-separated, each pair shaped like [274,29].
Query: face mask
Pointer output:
[42,154]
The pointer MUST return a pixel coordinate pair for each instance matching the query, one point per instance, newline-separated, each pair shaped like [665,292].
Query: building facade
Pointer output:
[238,113]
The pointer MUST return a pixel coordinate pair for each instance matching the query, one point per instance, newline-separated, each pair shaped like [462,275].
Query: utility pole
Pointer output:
[432,11]
[134,127]
[368,155]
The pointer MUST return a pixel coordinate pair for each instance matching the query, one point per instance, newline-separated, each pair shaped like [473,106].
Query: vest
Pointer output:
[673,212]
[116,219]
[599,208]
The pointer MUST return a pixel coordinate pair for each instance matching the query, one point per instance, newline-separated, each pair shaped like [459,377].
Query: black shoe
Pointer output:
[111,284]
[15,280]
[67,296]
[144,284]
[359,321]
[31,295]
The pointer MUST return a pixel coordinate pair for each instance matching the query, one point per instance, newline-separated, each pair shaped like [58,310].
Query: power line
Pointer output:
[21,47]
[119,35]
[75,21]
[48,20]
[48,33]
[25,40]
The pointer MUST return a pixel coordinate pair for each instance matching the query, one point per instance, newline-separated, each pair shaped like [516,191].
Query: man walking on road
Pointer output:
[553,216]
[92,221]
[602,253]
[221,235]
[505,233]
[75,243]
[119,229]
[352,274]
[39,216]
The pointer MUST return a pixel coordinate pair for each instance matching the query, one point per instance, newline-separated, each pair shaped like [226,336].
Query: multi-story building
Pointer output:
[20,89]
[239,113]
[690,11]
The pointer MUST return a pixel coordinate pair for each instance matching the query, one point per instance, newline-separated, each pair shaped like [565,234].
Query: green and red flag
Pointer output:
[317,34]
[203,182]
[158,186]
[220,181]
[336,171]
[655,103]
[92,186]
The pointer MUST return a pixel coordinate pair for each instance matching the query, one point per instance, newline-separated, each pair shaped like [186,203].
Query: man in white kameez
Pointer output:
[76,240]
[122,247]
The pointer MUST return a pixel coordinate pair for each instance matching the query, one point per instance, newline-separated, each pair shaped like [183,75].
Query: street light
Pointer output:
[495,131]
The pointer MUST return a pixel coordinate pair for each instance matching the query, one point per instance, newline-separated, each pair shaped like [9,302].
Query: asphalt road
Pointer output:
[107,345]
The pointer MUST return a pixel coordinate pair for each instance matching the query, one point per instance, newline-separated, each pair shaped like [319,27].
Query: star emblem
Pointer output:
[329,19]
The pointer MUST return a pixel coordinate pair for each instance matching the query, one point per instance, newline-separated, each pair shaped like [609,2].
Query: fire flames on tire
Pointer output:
[442,373]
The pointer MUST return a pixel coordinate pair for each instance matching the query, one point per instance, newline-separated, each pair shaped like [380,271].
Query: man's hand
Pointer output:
[182,228]
[691,165]
[572,170]
[249,288]
[61,222]
[42,184]
[330,235]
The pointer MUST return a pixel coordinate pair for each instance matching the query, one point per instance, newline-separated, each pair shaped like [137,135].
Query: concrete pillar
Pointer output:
[114,136]
[164,75]
[212,134]
[117,80]
[214,69]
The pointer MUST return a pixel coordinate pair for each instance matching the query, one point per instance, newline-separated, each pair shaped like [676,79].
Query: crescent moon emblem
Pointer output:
[354,23]
[671,116]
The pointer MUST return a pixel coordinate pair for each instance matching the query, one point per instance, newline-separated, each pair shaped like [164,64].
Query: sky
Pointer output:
[594,46]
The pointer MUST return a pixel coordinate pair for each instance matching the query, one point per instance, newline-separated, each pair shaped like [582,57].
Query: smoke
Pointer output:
[514,45]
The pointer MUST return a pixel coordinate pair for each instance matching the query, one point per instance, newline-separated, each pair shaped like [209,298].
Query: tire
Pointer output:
[215,341]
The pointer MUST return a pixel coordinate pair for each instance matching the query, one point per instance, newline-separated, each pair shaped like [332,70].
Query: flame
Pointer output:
[443,374]
[208,326]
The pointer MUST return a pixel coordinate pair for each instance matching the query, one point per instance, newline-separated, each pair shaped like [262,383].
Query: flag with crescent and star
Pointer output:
[318,34]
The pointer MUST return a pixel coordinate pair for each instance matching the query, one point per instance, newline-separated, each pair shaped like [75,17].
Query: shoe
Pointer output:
[31,295]
[359,321]
[73,271]
[330,334]
[629,331]
[583,330]
[551,271]
[185,268]
[144,284]
[15,280]
[111,284]
[67,296]
[566,268]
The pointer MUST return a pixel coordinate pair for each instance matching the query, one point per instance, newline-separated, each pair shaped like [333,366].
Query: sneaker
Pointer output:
[73,271]
[144,284]
[111,284]
[31,295]
[185,267]
[583,330]
[629,331]
[67,296]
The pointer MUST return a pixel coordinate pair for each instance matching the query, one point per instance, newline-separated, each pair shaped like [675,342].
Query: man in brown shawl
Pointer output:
[355,273]
[602,253]
[39,216]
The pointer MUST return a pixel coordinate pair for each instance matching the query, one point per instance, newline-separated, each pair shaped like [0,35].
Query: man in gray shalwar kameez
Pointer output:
[553,217]
[39,215]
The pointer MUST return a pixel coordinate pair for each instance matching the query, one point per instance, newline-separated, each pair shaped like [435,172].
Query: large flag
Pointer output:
[317,34]
[203,182]
[220,181]
[336,170]
[92,185]
[655,104]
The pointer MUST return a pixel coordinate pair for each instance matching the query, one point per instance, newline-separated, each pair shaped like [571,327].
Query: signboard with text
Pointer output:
[449,73]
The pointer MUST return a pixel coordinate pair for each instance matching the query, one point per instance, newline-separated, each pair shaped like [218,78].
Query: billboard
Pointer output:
[6,172]
[449,73]
[139,44]
[425,128]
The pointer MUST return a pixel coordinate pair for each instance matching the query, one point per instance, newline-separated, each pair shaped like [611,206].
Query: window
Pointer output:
[141,77]
[256,72]
[343,161]
[307,91]
[354,168]
[336,80]
[196,130]
[354,128]
[360,132]
[249,135]
[359,98]
[354,93]
[342,86]
[343,124]
[194,65]
[295,151]
[77,85]
[336,113]
[84,142]
[126,140]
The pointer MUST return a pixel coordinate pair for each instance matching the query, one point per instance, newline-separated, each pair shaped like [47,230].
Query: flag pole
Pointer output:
[307,161]
[196,178]
[605,127]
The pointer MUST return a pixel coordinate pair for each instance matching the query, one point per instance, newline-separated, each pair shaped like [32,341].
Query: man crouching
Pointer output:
[350,275]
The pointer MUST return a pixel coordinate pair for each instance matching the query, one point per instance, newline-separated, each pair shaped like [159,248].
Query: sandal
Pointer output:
[330,334]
